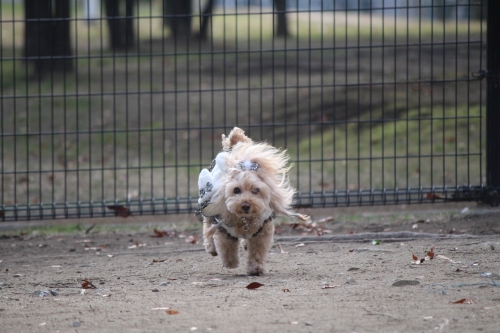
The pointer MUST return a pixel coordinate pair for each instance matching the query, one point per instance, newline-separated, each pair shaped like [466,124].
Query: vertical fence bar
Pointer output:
[493,96]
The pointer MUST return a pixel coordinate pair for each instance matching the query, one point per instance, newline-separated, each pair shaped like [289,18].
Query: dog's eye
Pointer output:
[237,190]
[255,191]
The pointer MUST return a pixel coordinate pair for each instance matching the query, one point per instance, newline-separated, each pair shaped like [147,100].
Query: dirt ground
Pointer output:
[341,281]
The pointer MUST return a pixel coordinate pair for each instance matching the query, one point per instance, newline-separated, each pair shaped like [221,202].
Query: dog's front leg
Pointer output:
[208,237]
[258,248]
[227,248]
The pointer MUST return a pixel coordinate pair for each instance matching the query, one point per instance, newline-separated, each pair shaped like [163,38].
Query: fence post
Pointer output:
[493,96]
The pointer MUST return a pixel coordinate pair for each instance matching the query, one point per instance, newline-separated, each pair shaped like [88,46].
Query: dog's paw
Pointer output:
[210,248]
[255,270]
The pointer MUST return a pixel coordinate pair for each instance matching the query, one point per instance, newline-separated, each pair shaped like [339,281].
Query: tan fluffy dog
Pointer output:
[245,189]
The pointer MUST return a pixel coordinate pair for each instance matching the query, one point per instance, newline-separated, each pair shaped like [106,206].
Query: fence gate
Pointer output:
[111,108]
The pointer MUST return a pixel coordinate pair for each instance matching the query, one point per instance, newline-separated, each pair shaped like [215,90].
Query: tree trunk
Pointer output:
[281,29]
[121,24]
[207,15]
[47,35]
[177,16]
[61,41]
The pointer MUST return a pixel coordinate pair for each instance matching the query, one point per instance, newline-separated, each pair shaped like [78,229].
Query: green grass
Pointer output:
[80,228]
[411,151]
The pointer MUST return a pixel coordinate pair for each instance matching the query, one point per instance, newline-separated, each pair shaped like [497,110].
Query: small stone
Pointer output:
[41,293]
[350,281]
[17,275]
[76,324]
[72,250]
[308,323]
[163,284]
[54,293]
[155,290]
[402,283]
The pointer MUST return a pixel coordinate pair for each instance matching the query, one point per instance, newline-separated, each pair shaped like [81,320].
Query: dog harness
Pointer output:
[222,228]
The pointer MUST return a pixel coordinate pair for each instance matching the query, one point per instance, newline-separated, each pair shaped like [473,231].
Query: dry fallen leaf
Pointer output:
[121,211]
[90,228]
[463,301]
[446,258]
[430,253]
[300,245]
[286,290]
[254,285]
[192,239]
[86,284]
[327,286]
[136,245]
[415,258]
[281,249]
[432,196]
[171,312]
[159,260]
[159,233]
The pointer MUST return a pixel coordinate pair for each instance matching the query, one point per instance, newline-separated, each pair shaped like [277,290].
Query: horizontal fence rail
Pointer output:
[112,108]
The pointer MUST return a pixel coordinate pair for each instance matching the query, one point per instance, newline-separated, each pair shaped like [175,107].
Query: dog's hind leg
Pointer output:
[258,248]
[227,248]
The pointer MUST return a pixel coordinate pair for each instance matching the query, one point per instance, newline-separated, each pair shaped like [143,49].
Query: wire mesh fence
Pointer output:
[113,108]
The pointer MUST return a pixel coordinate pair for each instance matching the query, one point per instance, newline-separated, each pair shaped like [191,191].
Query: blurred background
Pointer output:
[113,107]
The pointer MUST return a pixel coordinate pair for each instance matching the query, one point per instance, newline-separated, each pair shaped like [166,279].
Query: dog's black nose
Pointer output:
[245,206]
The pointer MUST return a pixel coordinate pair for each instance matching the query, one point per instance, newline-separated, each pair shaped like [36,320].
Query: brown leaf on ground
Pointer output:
[86,284]
[192,239]
[120,211]
[432,196]
[171,312]
[136,245]
[159,260]
[415,258]
[285,290]
[430,253]
[159,233]
[463,301]
[254,285]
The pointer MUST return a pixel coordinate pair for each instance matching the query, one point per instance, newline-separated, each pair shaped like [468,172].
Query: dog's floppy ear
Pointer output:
[235,136]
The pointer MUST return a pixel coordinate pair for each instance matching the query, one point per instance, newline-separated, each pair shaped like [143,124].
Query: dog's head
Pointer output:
[246,195]
[251,180]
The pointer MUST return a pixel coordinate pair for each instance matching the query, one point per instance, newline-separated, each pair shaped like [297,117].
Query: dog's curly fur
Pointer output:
[246,202]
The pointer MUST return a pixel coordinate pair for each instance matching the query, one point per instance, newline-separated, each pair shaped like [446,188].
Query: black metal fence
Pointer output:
[113,108]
